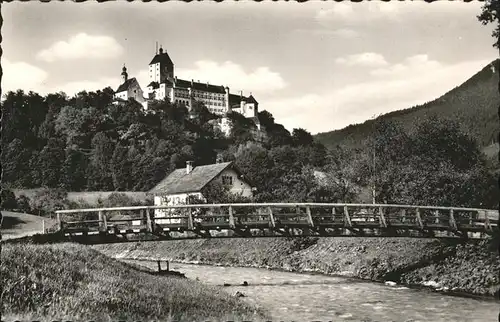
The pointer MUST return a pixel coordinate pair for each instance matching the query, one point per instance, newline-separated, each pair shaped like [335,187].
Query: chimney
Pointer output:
[219,158]
[189,167]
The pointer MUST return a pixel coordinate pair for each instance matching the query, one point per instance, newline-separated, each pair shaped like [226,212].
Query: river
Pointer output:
[312,297]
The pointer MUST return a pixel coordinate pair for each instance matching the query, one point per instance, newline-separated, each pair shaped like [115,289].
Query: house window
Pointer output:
[227,180]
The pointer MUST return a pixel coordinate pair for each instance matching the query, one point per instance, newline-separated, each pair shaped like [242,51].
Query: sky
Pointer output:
[316,65]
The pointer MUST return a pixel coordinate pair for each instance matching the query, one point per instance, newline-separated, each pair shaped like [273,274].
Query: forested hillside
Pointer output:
[473,105]
[88,143]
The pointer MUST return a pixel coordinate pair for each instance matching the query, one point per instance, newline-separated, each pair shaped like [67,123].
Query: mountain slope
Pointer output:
[473,104]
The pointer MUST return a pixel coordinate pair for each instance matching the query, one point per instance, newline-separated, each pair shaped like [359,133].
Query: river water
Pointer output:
[312,297]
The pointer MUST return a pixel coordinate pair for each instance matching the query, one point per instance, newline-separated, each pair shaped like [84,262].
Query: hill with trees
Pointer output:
[473,105]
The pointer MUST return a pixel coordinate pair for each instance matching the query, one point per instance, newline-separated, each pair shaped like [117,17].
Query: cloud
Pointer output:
[345,33]
[82,46]
[349,12]
[409,65]
[376,13]
[261,79]
[414,81]
[21,75]
[363,59]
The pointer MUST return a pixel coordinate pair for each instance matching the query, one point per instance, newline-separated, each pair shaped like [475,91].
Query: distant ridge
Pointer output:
[473,104]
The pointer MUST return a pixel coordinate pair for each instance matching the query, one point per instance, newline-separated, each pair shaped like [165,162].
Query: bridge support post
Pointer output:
[309,216]
[453,223]
[383,223]
[487,225]
[271,217]
[190,219]
[231,218]
[347,218]
[102,222]
[59,222]
[149,225]
[419,219]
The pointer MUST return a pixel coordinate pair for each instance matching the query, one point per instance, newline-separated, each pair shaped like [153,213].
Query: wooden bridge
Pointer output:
[273,219]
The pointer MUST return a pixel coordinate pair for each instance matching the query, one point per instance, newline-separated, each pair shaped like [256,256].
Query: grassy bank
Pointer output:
[74,282]
[446,265]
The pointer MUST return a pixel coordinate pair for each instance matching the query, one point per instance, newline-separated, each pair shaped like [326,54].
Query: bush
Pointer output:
[47,201]
[23,204]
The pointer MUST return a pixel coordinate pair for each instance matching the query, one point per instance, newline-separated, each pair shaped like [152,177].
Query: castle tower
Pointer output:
[124,74]
[161,67]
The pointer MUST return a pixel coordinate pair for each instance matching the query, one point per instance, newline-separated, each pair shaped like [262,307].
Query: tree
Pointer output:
[99,173]
[438,165]
[46,201]
[301,137]
[73,172]
[49,163]
[9,201]
[490,14]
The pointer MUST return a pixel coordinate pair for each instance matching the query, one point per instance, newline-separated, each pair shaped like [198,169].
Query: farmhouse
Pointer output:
[186,185]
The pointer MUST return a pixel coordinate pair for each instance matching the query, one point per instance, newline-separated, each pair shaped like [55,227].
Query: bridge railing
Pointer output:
[276,216]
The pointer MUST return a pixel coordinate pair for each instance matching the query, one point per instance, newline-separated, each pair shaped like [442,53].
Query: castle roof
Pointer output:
[154,84]
[162,58]
[200,86]
[126,85]
[251,99]
[179,181]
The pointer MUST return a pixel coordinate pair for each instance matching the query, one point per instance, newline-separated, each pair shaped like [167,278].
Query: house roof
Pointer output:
[163,58]
[181,182]
[200,86]
[126,85]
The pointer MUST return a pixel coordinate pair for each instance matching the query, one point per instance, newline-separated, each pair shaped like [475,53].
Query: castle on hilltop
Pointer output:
[165,85]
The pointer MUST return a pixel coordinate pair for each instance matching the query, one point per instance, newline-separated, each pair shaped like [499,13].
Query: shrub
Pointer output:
[46,201]
[23,204]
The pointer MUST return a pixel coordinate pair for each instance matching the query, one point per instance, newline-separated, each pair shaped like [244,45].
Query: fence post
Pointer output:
[273,224]
[403,216]
[333,214]
[43,226]
[231,218]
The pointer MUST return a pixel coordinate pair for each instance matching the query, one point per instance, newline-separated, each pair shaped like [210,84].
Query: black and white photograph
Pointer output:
[250,161]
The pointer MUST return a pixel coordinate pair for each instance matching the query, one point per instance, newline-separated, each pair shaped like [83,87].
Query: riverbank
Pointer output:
[445,265]
[74,282]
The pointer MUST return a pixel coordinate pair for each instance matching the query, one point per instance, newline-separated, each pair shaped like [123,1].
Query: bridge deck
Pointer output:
[252,220]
